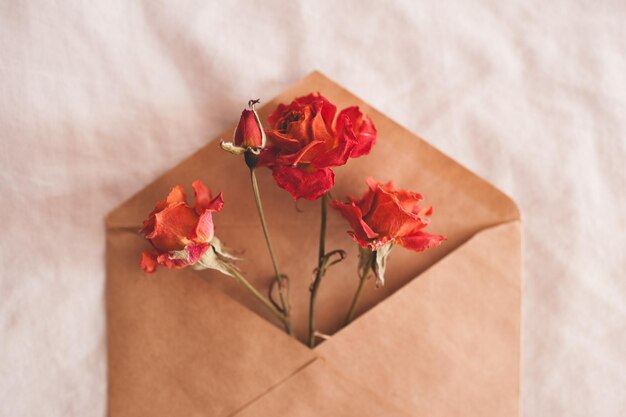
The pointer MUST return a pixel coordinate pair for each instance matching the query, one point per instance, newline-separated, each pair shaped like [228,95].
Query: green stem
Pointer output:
[319,273]
[284,298]
[355,300]
[243,281]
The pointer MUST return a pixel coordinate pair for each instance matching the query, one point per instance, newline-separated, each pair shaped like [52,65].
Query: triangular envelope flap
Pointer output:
[318,390]
[464,204]
[178,346]
[448,343]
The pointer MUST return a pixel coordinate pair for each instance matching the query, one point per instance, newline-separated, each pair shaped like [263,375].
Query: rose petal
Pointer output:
[321,104]
[282,142]
[217,204]
[353,214]
[304,155]
[296,124]
[165,260]
[176,195]
[425,211]
[420,241]
[202,196]
[363,128]
[277,114]
[362,242]
[174,227]
[249,133]
[268,156]
[322,130]
[389,217]
[373,184]
[205,227]
[195,252]
[342,151]
[148,261]
[302,183]
[366,135]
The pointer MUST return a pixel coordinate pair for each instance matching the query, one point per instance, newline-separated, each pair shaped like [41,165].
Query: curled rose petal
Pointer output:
[353,214]
[217,204]
[202,196]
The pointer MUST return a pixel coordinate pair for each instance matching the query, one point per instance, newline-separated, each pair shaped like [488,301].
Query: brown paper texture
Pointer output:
[441,342]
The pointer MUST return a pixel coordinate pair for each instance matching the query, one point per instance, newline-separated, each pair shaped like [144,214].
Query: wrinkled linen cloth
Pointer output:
[99,98]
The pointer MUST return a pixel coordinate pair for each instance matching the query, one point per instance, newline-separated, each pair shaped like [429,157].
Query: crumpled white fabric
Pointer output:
[98,98]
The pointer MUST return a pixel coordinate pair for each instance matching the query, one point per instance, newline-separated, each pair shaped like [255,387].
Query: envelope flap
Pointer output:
[447,343]
[178,346]
[319,390]
[464,205]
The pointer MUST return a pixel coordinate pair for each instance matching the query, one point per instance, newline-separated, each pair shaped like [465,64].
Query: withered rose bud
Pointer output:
[249,135]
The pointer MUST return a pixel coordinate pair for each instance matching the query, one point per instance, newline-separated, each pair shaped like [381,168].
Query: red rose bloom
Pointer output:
[387,215]
[304,145]
[179,233]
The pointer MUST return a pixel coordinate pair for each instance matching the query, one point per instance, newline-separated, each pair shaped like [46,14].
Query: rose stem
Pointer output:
[242,280]
[281,288]
[319,273]
[355,300]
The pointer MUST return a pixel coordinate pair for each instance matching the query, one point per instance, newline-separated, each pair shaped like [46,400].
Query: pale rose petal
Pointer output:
[205,227]
[195,252]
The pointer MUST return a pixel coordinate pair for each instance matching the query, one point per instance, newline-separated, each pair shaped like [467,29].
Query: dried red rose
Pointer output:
[385,216]
[180,234]
[249,135]
[304,145]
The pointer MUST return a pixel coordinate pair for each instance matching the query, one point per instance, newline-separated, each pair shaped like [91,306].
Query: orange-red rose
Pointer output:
[179,233]
[304,144]
[387,215]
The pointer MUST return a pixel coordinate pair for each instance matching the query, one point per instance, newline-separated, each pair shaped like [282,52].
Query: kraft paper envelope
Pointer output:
[442,338]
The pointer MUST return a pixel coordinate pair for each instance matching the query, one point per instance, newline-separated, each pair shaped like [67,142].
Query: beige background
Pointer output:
[97,99]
